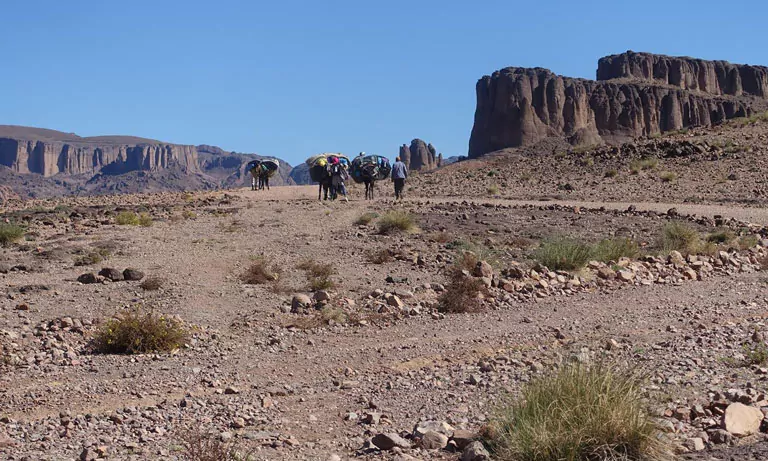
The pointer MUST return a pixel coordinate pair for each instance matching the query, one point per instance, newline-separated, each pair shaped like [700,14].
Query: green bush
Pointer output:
[397,221]
[145,220]
[10,233]
[563,254]
[577,413]
[139,331]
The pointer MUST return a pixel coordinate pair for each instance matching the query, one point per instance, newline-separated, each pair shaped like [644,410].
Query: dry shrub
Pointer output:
[466,261]
[137,331]
[200,446]
[494,189]
[151,284]
[397,221]
[187,214]
[577,413]
[145,220]
[462,294]
[366,218]
[721,236]
[667,176]
[261,271]
[439,237]
[10,233]
[380,256]
[748,241]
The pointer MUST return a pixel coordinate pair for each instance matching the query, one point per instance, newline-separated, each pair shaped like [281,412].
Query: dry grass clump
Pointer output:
[145,220]
[647,163]
[721,236]
[151,284]
[187,214]
[10,233]
[137,331]
[462,295]
[366,218]
[494,189]
[261,270]
[381,256]
[677,236]
[562,253]
[615,249]
[577,413]
[667,176]
[748,241]
[439,237]
[397,221]
[318,274]
[328,315]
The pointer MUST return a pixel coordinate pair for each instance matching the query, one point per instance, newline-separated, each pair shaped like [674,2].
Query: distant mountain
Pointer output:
[37,162]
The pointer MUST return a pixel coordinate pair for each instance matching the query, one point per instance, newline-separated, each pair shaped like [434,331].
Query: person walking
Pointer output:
[399,174]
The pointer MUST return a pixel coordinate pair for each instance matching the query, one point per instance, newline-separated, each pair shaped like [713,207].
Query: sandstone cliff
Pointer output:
[420,156]
[47,152]
[518,106]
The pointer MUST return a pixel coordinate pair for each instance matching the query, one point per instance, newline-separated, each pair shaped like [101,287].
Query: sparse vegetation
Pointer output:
[612,173]
[667,176]
[748,241]
[199,446]
[462,295]
[127,218]
[137,331]
[261,270]
[615,249]
[366,218]
[188,214]
[318,274]
[92,257]
[494,189]
[145,220]
[578,413]
[397,221]
[151,284]
[646,163]
[10,233]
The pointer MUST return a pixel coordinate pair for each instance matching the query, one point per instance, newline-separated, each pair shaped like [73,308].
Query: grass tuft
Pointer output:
[138,331]
[615,249]
[145,220]
[494,189]
[92,257]
[10,233]
[366,218]
[127,218]
[318,275]
[563,254]
[722,236]
[667,176]
[677,236]
[397,221]
[577,413]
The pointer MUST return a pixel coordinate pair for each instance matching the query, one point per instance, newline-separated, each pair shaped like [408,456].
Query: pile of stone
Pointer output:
[427,437]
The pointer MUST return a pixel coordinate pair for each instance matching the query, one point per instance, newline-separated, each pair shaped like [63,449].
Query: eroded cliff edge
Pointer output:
[637,94]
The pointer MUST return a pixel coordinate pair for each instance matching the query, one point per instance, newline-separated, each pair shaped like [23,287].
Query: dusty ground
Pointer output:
[287,392]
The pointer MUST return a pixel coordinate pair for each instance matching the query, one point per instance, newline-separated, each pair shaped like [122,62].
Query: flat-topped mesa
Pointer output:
[27,151]
[520,106]
[713,77]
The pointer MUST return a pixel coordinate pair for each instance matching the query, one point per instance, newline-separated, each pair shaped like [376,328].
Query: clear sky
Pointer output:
[294,78]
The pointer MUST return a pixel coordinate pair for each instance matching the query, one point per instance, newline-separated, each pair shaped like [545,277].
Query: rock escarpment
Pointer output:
[46,152]
[420,156]
[636,95]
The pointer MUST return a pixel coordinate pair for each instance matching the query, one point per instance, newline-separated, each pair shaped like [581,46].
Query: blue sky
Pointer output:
[294,78]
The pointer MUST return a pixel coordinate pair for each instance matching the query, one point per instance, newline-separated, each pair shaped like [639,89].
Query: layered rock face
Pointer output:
[518,106]
[713,77]
[72,155]
[420,156]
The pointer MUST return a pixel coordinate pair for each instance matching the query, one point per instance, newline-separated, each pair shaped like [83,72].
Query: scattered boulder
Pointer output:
[475,451]
[133,274]
[742,420]
[88,277]
[389,441]
[111,274]
[434,441]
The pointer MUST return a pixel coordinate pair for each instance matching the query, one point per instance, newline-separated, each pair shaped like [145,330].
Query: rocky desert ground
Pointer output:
[364,360]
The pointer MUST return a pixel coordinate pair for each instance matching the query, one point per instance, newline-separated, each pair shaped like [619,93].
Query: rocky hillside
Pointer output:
[420,156]
[636,94]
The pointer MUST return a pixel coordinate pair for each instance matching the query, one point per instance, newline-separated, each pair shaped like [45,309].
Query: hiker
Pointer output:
[399,173]
[338,176]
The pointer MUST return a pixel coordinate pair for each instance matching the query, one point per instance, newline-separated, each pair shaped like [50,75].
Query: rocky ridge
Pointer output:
[420,156]
[635,95]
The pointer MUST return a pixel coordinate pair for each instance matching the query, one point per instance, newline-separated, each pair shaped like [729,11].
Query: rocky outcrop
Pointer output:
[72,155]
[229,167]
[420,156]
[520,106]
[714,77]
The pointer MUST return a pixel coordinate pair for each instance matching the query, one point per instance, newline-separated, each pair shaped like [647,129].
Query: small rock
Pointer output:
[475,451]
[694,444]
[88,277]
[434,441]
[230,390]
[390,441]
[111,274]
[300,301]
[742,420]
[462,438]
